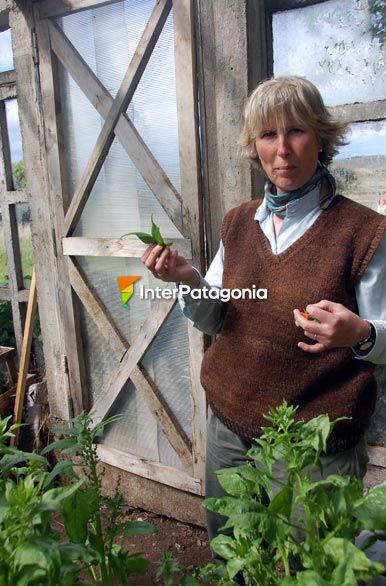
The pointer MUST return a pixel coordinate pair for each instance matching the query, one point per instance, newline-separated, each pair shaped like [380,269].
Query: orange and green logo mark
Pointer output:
[126,287]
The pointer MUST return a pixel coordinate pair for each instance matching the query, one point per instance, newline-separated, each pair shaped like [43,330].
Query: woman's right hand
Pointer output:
[169,266]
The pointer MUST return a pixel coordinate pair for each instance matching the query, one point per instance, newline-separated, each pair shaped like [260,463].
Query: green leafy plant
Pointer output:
[303,532]
[155,237]
[91,525]
[30,549]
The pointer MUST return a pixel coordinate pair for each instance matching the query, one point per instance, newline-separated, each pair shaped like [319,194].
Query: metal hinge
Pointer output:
[54,243]
[35,52]
[70,403]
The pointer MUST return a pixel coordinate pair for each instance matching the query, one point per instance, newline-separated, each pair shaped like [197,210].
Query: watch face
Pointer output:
[366,346]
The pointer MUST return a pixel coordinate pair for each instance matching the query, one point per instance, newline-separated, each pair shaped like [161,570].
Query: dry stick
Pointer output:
[24,358]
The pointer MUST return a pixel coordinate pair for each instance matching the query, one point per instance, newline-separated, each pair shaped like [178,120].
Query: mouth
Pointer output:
[286,168]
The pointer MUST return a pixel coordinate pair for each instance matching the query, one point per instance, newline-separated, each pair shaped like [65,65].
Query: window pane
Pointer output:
[6,57]
[14,134]
[338,45]
[360,166]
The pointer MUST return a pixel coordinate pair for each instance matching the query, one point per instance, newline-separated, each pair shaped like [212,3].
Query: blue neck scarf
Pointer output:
[277,203]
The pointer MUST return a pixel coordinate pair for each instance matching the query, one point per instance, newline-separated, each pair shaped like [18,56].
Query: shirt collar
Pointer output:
[299,207]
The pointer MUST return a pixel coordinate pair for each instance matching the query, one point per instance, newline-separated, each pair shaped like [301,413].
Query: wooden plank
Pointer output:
[128,369]
[7,85]
[31,123]
[14,197]
[130,247]
[56,8]
[377,455]
[152,470]
[24,358]
[186,90]
[96,308]
[5,294]
[5,6]
[5,152]
[360,112]
[139,376]
[125,131]
[15,273]
[280,5]
[129,84]
[72,360]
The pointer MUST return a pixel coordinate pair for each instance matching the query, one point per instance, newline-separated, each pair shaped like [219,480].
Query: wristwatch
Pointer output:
[364,346]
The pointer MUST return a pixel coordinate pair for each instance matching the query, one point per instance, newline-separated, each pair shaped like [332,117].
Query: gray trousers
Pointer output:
[226,449]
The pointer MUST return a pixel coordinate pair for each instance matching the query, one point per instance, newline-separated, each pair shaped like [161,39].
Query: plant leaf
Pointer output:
[138,528]
[143,236]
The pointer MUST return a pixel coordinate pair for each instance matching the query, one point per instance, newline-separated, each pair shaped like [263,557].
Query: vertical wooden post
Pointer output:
[48,268]
[186,89]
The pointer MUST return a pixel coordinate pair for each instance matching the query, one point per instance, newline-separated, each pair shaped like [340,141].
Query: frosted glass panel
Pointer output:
[106,38]
[360,167]
[338,45]
[167,360]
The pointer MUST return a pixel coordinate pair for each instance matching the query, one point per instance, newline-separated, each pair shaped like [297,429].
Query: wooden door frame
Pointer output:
[185,210]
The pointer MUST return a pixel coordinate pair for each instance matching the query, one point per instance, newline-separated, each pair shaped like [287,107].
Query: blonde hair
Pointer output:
[293,98]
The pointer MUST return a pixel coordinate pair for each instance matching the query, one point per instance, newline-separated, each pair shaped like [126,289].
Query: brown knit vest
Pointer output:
[255,362]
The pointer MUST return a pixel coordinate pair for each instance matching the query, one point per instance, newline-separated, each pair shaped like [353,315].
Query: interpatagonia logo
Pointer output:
[126,287]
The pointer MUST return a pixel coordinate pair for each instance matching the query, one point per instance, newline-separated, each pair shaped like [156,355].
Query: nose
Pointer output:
[283,146]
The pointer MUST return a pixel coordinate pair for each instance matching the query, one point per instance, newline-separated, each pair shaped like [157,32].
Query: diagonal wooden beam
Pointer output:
[125,131]
[128,86]
[139,376]
[56,8]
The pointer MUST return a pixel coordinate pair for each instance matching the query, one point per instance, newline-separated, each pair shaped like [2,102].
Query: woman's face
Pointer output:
[288,153]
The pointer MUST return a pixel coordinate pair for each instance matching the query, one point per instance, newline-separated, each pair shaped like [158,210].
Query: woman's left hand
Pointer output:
[337,327]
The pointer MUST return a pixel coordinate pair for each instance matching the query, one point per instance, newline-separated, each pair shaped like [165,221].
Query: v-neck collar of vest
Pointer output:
[303,240]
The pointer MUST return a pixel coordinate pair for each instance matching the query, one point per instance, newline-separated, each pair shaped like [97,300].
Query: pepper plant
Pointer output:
[31,550]
[301,531]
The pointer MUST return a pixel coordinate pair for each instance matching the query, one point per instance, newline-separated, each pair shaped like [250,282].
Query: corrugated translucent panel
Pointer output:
[338,45]
[6,56]
[360,167]
[166,360]
[106,38]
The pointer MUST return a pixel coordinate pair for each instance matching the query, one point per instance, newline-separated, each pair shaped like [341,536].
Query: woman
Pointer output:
[311,250]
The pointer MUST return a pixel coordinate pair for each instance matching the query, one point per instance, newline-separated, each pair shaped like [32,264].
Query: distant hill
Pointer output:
[363,179]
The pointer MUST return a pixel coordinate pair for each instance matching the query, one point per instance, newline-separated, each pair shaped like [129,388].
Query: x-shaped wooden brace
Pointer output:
[116,122]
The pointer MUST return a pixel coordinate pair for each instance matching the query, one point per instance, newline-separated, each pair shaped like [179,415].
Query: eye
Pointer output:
[296,130]
[267,134]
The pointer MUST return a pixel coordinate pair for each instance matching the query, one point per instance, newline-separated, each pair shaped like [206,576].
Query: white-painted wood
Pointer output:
[125,131]
[129,247]
[148,469]
[128,86]
[56,8]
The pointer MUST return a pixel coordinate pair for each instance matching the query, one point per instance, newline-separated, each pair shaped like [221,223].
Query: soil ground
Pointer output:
[187,543]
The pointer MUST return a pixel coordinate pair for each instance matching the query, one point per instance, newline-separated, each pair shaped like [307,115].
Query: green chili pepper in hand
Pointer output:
[154,238]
